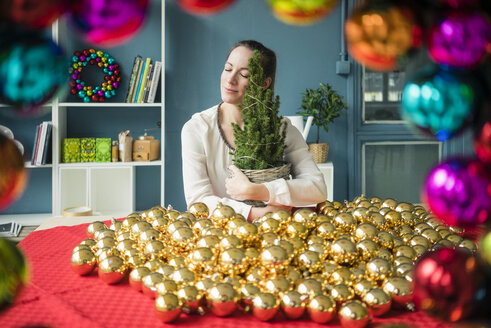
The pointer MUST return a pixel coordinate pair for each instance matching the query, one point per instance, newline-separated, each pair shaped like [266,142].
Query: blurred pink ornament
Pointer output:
[459,3]
[457,191]
[448,283]
[109,22]
[460,39]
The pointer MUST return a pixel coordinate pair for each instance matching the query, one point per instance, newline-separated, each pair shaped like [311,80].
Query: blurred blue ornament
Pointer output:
[440,103]
[33,69]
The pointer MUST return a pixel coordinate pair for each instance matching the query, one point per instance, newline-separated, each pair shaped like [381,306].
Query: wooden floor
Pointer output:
[23,233]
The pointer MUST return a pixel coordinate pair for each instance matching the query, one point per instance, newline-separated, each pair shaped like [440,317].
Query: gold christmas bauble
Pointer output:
[177,261]
[305,216]
[354,314]
[149,283]
[139,227]
[167,307]
[83,261]
[204,284]
[247,292]
[406,251]
[274,256]
[99,234]
[269,238]
[95,226]
[365,231]
[379,269]
[199,210]
[247,233]
[173,226]
[378,220]
[343,251]
[116,225]
[399,289]
[344,221]
[265,306]
[202,224]
[309,288]
[367,249]
[326,230]
[183,276]
[190,298]
[469,245]
[269,225]
[222,214]
[278,285]
[292,304]
[377,301]
[342,293]
[222,299]
[390,203]
[112,269]
[281,215]
[136,276]
[232,261]
[419,240]
[309,261]
[296,229]
[153,249]
[149,235]
[321,308]
[363,286]
[361,214]
[341,275]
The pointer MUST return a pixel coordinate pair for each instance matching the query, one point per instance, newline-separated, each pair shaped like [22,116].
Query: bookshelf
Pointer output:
[108,188]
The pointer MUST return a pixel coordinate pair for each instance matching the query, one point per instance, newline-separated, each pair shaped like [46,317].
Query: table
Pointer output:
[57,297]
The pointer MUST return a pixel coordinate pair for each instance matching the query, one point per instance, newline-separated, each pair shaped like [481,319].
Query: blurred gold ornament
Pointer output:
[136,276]
[363,286]
[402,207]
[390,203]
[353,314]
[341,275]
[309,261]
[153,249]
[265,306]
[419,240]
[268,239]
[232,261]
[321,308]
[398,260]
[368,249]
[469,245]
[222,299]
[378,220]
[342,293]
[99,234]
[379,269]
[278,285]
[112,269]
[199,210]
[454,238]
[167,307]
[361,214]
[377,301]
[221,215]
[399,289]
[344,221]
[190,297]
[326,230]
[247,292]
[292,304]
[343,251]
[309,288]
[139,227]
[178,261]
[305,216]
[149,283]
[365,231]
[83,261]
[406,251]
[95,226]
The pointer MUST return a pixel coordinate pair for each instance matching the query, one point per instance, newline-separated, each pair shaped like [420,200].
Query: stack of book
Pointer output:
[144,80]
[10,229]
[42,144]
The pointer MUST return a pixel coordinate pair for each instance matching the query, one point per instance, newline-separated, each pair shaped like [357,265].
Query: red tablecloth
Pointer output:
[57,297]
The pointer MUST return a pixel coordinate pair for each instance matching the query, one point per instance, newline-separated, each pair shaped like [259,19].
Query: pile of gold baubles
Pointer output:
[352,260]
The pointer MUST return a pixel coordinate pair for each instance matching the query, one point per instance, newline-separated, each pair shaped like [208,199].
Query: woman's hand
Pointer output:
[239,187]
[257,212]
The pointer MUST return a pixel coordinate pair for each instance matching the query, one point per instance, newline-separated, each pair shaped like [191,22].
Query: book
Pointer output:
[131,84]
[103,149]
[87,150]
[10,229]
[139,82]
[47,144]
[34,145]
[143,80]
[37,143]
[147,83]
[155,82]
[137,78]
[42,141]
[71,150]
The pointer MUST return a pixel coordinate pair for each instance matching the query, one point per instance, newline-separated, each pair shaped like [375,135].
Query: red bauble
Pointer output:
[447,282]
[13,175]
[32,13]
[204,7]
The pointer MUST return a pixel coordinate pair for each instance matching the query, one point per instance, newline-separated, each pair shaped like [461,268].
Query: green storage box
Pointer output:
[87,146]
[71,150]
[103,150]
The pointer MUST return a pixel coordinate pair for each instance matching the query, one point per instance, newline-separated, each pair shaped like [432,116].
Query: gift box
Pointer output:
[87,149]
[146,148]
[71,150]
[103,150]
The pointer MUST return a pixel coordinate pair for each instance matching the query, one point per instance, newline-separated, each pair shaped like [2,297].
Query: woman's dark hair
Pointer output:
[268,57]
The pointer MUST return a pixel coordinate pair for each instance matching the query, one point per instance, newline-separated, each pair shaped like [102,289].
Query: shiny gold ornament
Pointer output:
[342,293]
[126,244]
[354,314]
[128,222]
[337,205]
[432,235]
[183,276]
[305,216]
[122,235]
[420,227]
[398,260]
[154,264]
[292,304]
[167,307]
[309,261]
[404,207]
[254,275]
[293,274]
[278,285]
[385,254]
[444,232]
[419,240]
[139,227]
[378,220]
[321,308]
[88,242]
[326,230]
[297,243]
[202,259]
[363,286]
[166,286]
[112,269]
[232,261]
[344,221]
[322,218]
[83,261]
[177,261]
[375,199]
[309,288]
[320,206]
[202,224]
[390,203]
[221,215]
[252,256]
[99,234]
[361,214]
[149,235]
[399,289]
[469,245]
[183,238]
[367,249]
[341,275]
[190,298]
[153,249]
[402,269]
[404,230]
[434,222]
[364,204]
[398,241]
[106,242]
[287,246]
[235,222]
[204,284]
[343,251]
[406,251]
[319,248]
[269,225]
[407,237]
[222,299]
[172,214]
[188,217]
[457,230]
[269,239]
[247,233]
[296,229]
[247,292]
[149,283]
[379,269]
[209,241]
[419,250]
[365,231]
[378,302]
[95,226]
[174,225]
[281,215]
[393,218]
[199,210]
[274,258]
[384,210]
[134,261]
[454,238]
[80,246]
[265,306]
[136,276]
[116,225]
[385,239]
[330,212]
[409,218]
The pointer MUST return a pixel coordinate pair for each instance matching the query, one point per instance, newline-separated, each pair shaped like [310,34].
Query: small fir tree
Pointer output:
[261,143]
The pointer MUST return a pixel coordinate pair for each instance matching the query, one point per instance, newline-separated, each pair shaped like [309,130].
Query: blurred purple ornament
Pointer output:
[460,39]
[449,283]
[109,22]
[439,102]
[457,191]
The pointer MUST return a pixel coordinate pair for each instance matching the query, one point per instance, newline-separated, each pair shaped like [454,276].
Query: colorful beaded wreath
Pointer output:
[107,89]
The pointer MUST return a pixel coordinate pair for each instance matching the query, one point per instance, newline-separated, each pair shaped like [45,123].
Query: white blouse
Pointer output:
[206,158]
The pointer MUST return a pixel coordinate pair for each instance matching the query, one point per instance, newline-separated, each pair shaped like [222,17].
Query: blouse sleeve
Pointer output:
[307,186]
[197,185]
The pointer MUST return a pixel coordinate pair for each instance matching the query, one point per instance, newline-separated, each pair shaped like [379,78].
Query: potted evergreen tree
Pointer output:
[260,145]
[324,104]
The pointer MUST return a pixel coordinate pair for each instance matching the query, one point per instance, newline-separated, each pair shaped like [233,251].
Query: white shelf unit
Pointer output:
[327,170]
[108,188]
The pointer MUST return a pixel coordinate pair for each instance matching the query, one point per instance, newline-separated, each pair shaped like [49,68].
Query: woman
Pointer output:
[207,140]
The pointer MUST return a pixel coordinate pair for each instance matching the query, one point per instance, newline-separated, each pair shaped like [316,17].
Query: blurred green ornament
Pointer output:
[13,272]
[485,248]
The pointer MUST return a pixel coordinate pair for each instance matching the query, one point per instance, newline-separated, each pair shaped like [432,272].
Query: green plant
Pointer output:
[261,143]
[324,104]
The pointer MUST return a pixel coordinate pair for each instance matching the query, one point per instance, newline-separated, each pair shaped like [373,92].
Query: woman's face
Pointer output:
[234,78]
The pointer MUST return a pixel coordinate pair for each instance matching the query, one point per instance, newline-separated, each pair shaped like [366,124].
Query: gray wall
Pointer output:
[196,49]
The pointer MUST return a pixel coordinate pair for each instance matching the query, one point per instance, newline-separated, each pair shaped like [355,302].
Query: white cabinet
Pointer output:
[327,170]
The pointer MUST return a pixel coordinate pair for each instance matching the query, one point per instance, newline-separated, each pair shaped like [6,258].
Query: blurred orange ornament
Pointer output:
[204,7]
[301,12]
[13,176]
[380,35]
